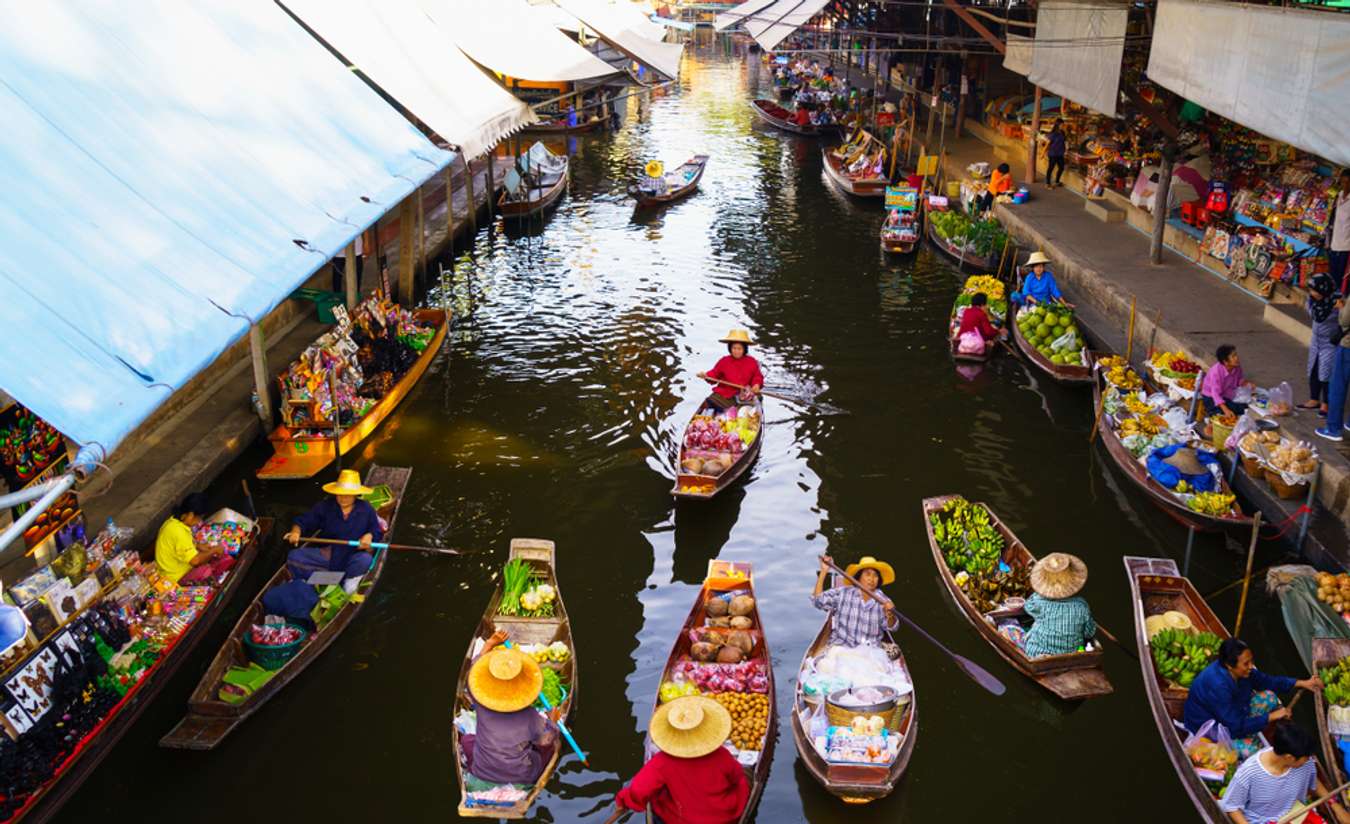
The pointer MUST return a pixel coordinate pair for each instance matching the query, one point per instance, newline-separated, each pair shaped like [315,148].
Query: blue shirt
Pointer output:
[1056,145]
[1044,288]
[1217,695]
[326,519]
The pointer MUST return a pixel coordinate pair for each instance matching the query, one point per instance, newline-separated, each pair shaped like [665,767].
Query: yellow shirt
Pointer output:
[174,549]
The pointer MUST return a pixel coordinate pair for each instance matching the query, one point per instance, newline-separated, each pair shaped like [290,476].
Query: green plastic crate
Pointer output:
[323,300]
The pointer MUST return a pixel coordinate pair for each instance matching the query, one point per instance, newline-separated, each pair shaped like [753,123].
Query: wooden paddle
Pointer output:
[1110,637]
[1292,814]
[377,545]
[620,813]
[977,673]
[824,408]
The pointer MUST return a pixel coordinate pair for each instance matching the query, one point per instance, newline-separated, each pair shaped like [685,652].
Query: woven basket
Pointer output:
[1286,491]
[1219,433]
[273,657]
[1253,467]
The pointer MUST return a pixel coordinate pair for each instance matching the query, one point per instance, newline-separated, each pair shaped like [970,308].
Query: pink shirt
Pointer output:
[1221,383]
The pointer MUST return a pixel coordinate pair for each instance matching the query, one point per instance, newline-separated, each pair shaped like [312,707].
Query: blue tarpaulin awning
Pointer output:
[173,171]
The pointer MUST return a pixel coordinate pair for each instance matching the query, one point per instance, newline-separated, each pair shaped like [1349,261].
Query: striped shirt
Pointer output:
[857,620]
[1263,797]
[1061,627]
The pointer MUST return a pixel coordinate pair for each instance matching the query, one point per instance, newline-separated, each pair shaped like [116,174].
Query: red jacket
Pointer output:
[710,789]
[975,318]
[802,117]
[743,371]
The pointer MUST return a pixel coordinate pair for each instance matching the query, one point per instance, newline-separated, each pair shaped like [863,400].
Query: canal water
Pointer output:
[555,410]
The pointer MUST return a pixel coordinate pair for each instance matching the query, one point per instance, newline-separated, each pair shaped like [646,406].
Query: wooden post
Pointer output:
[450,210]
[473,199]
[932,109]
[257,348]
[421,233]
[491,189]
[961,104]
[407,253]
[1034,143]
[350,274]
[1155,246]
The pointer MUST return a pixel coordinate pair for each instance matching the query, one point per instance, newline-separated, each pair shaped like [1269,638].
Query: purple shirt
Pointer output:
[1221,383]
[503,747]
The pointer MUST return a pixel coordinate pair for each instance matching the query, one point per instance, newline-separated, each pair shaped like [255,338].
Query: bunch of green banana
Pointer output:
[966,535]
[1336,681]
[1180,655]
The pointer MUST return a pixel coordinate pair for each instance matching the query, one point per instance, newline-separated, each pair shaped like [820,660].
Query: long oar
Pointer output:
[825,408]
[622,812]
[1292,814]
[377,545]
[1112,638]
[561,725]
[977,673]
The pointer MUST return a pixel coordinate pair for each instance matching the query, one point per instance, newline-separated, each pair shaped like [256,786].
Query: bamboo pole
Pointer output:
[473,199]
[1247,576]
[1129,343]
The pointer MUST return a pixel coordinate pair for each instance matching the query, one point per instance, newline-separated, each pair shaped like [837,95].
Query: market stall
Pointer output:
[32,452]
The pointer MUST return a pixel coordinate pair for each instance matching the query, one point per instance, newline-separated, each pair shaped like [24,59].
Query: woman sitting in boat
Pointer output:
[1062,619]
[1222,382]
[1232,691]
[1268,784]
[802,117]
[693,779]
[1038,285]
[513,742]
[975,319]
[343,517]
[738,368]
[177,555]
[857,617]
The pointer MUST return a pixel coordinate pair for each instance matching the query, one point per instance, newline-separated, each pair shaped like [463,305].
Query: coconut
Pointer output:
[728,655]
[742,605]
[716,607]
[713,468]
[693,465]
[704,651]
[719,621]
[741,622]
[741,640]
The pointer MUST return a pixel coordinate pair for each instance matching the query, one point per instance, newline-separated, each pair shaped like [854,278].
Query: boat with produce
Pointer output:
[1043,335]
[307,441]
[528,605]
[722,653]
[670,186]
[858,166]
[1331,661]
[1131,429]
[244,537]
[969,543]
[534,186]
[1175,373]
[856,762]
[1177,636]
[246,673]
[902,228]
[779,117]
[975,244]
[715,450]
[997,307]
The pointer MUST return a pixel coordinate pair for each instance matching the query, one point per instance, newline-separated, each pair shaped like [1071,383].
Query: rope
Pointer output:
[1283,526]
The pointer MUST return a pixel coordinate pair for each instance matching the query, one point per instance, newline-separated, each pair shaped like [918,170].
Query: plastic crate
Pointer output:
[324,302]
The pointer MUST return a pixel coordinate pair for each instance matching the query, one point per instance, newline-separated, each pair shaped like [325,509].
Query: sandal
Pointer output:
[1310,405]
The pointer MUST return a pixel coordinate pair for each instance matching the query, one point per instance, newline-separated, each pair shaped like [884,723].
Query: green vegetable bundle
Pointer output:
[553,687]
[966,535]
[516,578]
[1180,655]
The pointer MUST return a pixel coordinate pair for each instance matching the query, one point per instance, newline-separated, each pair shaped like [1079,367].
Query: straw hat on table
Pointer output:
[1058,575]
[690,727]
[882,568]
[348,483]
[505,680]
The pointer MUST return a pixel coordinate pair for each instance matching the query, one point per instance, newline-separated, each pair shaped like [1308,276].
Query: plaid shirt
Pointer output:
[1062,625]
[857,621]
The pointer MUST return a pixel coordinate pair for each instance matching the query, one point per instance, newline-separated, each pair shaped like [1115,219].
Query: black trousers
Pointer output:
[1051,165]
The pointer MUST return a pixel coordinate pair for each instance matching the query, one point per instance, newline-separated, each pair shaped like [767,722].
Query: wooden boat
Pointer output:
[779,117]
[890,244]
[680,182]
[1327,652]
[1138,475]
[209,718]
[523,199]
[1071,677]
[728,576]
[1073,375]
[540,555]
[43,804]
[954,345]
[303,456]
[964,260]
[858,187]
[555,127]
[786,91]
[1156,587]
[852,783]
[701,487]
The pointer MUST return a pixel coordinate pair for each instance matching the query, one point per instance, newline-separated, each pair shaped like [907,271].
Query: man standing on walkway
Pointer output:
[1340,380]
[1339,247]
[1054,155]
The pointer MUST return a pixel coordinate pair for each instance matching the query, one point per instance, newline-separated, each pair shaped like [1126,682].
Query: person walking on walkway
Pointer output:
[1340,381]
[1323,303]
[1054,155]
[1339,245]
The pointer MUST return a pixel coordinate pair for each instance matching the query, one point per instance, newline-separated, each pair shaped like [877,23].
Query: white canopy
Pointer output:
[1017,58]
[637,19]
[1078,51]
[612,25]
[403,49]
[730,17]
[1282,72]
[516,39]
[771,26]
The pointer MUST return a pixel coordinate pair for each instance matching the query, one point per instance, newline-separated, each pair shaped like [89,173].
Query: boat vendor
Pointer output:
[1038,285]
[737,367]
[1170,465]
[1232,691]
[1221,383]
[1000,183]
[858,617]
[1062,619]
[513,742]
[975,319]
[693,779]
[343,517]
[177,555]
[802,117]
[1267,785]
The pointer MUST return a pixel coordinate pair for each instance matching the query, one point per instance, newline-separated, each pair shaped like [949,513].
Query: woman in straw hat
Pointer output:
[513,741]
[1062,621]
[343,517]
[736,367]
[1038,285]
[1171,465]
[693,779]
[858,617]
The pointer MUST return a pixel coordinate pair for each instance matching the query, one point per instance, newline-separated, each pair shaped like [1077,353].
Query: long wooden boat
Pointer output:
[1072,375]
[561,127]
[964,260]
[303,456]
[1138,475]
[694,486]
[210,719]
[729,576]
[858,187]
[541,556]
[1071,677]
[1155,588]
[954,344]
[48,799]
[893,246]
[779,117]
[852,783]
[680,182]
[543,195]
[1327,652]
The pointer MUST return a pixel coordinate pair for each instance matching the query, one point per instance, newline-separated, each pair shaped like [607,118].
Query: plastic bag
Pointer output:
[1281,400]
[1245,424]
[1211,747]
[971,343]
[1067,342]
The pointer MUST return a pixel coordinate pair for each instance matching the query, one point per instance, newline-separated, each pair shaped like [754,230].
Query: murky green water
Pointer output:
[555,411]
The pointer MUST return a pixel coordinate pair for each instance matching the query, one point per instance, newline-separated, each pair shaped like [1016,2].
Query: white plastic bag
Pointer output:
[1245,424]
[1067,342]
[1281,399]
